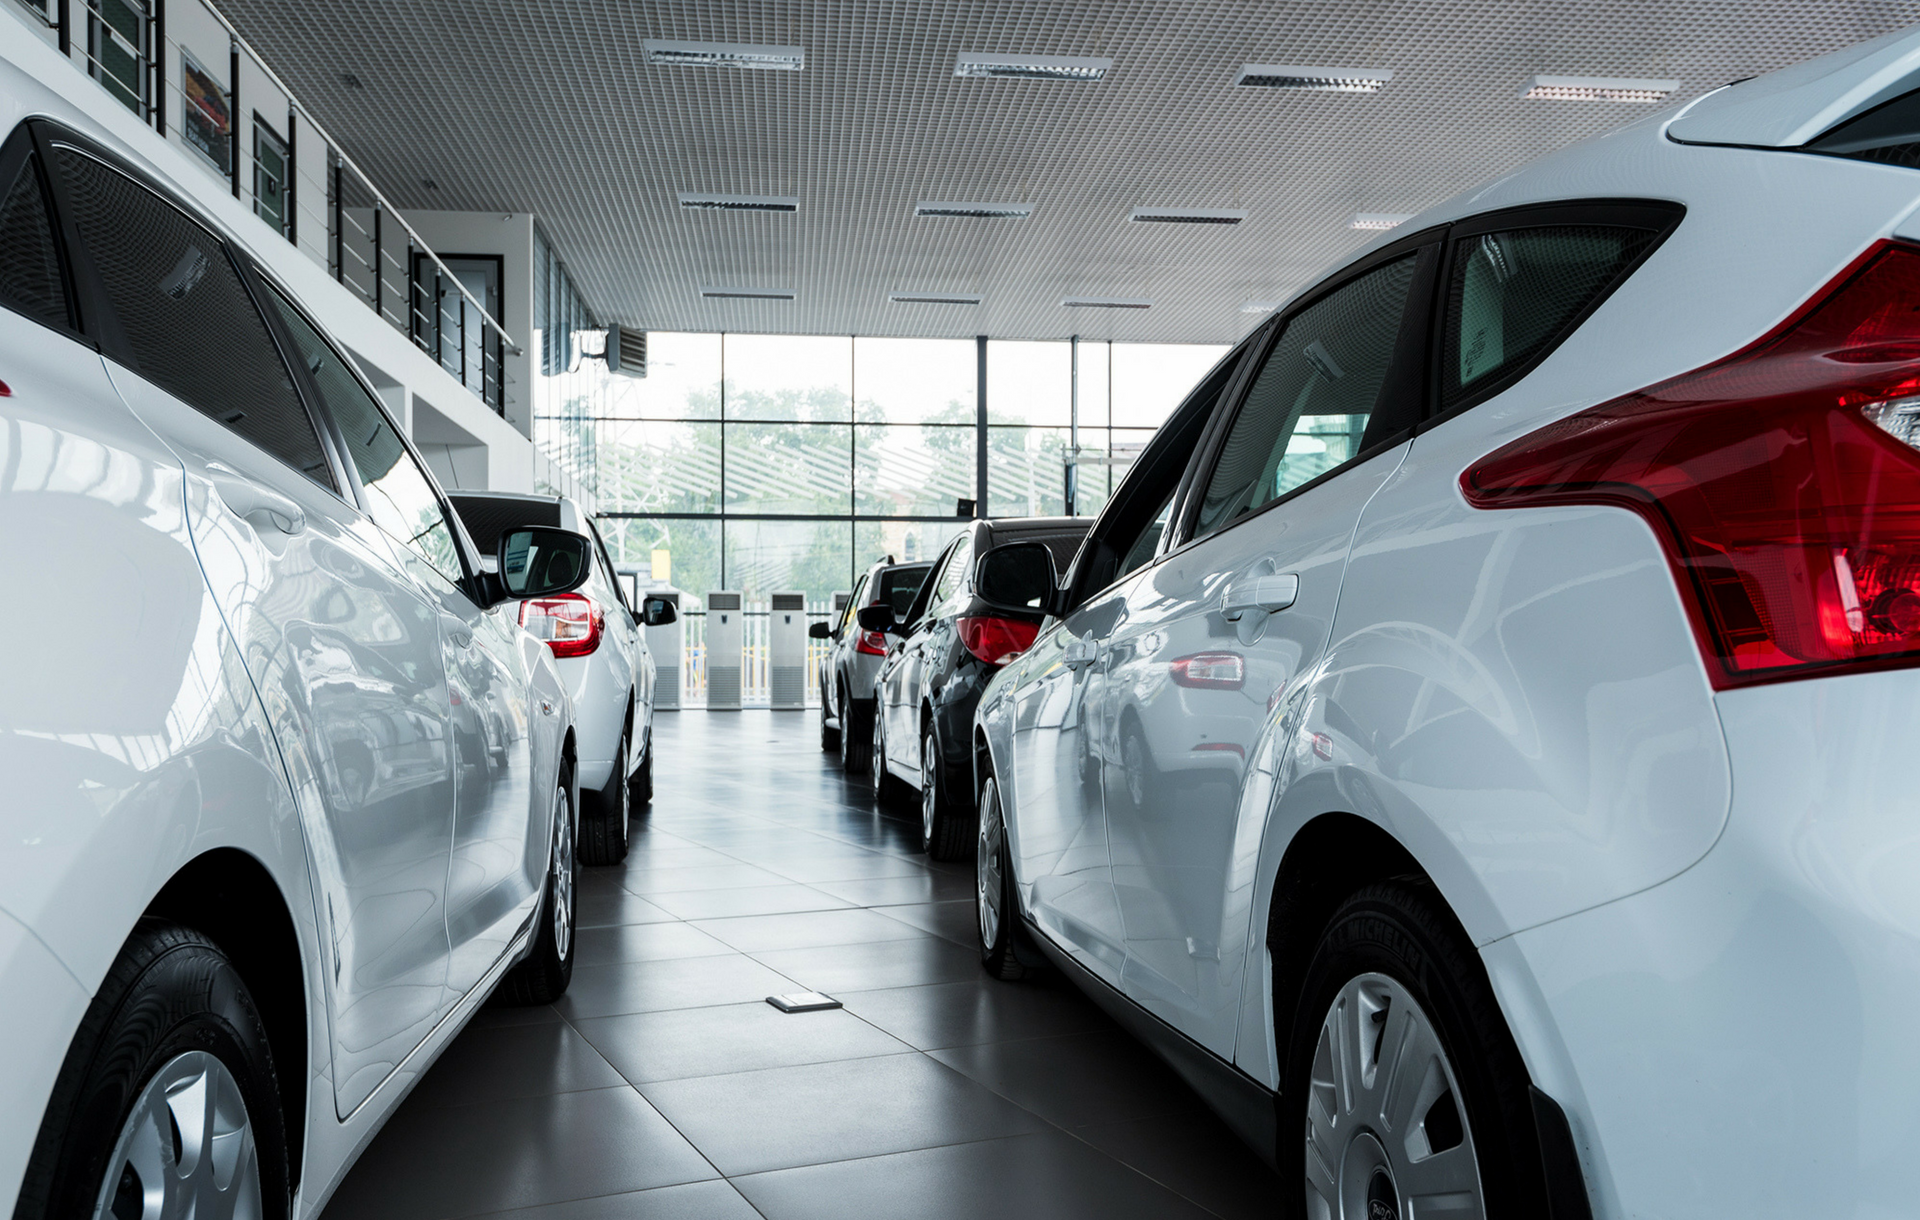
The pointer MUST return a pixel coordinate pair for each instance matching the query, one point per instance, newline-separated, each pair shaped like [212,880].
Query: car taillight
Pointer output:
[873,643]
[1210,671]
[570,623]
[1783,481]
[997,640]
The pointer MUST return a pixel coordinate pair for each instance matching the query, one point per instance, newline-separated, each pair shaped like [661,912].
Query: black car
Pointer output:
[951,643]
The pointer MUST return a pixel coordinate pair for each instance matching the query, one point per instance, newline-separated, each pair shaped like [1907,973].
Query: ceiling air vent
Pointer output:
[1598,89]
[739,203]
[1189,216]
[725,55]
[1315,80]
[747,294]
[1031,67]
[1097,303]
[986,211]
[929,298]
[1379,220]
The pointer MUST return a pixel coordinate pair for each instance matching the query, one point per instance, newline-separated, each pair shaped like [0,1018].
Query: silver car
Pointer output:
[850,671]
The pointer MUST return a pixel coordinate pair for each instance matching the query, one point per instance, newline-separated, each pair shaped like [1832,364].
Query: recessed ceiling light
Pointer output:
[747,294]
[1598,89]
[1097,303]
[1317,80]
[1188,216]
[725,54]
[930,298]
[739,203]
[991,211]
[1379,220]
[1031,67]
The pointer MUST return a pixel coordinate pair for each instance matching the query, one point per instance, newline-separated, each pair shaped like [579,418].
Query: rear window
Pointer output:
[1062,543]
[30,278]
[1888,134]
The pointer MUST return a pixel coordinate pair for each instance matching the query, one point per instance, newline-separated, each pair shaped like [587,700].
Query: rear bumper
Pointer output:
[1740,1040]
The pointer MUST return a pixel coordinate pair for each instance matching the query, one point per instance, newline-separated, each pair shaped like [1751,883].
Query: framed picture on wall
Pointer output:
[206,118]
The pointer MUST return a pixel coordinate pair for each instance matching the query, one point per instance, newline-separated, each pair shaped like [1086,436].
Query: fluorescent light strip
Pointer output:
[747,294]
[985,211]
[1313,80]
[739,203]
[1091,303]
[1031,67]
[1189,216]
[725,55]
[1598,89]
[916,298]
[1379,220]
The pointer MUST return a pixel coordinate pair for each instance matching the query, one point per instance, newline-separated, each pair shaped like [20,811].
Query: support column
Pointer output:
[980,428]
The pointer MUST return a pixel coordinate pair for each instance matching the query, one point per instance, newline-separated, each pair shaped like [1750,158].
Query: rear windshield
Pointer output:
[898,586]
[1889,134]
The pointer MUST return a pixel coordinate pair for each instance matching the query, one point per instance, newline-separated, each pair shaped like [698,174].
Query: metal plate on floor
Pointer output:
[803,1001]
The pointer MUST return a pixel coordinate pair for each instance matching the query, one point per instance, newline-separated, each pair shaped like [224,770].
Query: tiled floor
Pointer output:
[662,1084]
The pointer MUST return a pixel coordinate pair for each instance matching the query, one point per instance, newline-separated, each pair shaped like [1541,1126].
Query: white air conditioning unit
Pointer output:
[787,651]
[626,351]
[723,650]
[665,645]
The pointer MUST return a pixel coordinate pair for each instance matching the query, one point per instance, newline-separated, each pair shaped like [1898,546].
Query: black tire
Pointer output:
[543,977]
[640,787]
[1006,952]
[947,829]
[1401,929]
[856,735]
[170,993]
[607,819]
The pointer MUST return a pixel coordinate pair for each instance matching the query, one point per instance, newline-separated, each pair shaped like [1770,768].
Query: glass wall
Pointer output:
[571,387]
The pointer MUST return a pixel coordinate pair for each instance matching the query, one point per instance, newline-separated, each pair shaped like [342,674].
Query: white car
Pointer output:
[1542,591]
[595,637]
[288,791]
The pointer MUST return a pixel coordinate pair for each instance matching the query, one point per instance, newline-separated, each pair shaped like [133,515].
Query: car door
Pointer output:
[920,655]
[342,648]
[1215,631]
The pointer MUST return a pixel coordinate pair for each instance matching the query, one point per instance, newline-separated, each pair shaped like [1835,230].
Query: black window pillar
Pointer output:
[980,427]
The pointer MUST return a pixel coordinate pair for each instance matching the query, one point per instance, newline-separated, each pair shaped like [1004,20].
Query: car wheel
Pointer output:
[856,746]
[1406,1086]
[944,834]
[830,737]
[609,817]
[886,789]
[166,1107]
[1005,950]
[543,977]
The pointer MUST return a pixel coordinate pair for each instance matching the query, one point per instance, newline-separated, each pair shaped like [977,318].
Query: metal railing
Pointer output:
[756,676]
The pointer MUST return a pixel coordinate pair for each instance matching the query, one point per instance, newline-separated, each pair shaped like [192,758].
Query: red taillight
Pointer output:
[1784,481]
[997,640]
[1210,671]
[570,623]
[873,643]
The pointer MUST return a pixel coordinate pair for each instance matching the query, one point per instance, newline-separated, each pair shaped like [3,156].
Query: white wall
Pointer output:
[511,237]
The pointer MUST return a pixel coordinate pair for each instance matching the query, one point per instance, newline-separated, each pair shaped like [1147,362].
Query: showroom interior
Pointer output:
[790,338]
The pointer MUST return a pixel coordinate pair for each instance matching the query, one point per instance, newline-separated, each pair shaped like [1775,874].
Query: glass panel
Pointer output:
[691,560]
[1029,383]
[118,33]
[659,467]
[29,263]
[912,471]
[1150,379]
[1026,471]
[906,541]
[813,557]
[1096,361]
[789,468]
[682,381]
[907,381]
[797,377]
[1308,408]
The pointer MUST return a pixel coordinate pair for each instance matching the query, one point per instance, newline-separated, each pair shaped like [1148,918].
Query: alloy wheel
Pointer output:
[929,786]
[1386,1134]
[625,811]
[877,757]
[562,869]
[186,1150]
[989,885]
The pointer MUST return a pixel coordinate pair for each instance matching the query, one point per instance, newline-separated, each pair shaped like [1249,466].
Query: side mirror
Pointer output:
[820,631]
[657,612]
[539,561]
[1018,576]
[877,618]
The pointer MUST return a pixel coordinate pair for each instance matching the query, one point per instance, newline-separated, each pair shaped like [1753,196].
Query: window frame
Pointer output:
[20,144]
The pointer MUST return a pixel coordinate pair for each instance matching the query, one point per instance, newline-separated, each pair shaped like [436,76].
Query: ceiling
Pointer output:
[549,108]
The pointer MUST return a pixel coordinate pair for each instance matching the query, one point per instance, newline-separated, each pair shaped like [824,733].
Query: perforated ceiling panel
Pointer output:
[549,107]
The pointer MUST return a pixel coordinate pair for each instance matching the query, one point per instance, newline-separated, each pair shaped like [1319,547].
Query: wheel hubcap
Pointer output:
[626,792]
[1386,1136]
[562,875]
[877,759]
[986,867]
[928,791]
[186,1151]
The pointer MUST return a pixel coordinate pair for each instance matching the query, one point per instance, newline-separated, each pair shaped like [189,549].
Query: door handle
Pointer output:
[248,500]
[1268,594]
[457,630]
[1080,653]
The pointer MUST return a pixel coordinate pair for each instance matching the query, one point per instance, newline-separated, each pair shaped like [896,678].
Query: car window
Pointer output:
[400,499]
[1308,408]
[899,586]
[953,572]
[611,578]
[1512,296]
[30,278]
[190,325]
[854,603]
[1148,541]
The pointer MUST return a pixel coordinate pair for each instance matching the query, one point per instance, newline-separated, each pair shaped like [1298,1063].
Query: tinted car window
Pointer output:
[190,325]
[29,262]
[1309,405]
[954,570]
[612,578]
[1149,539]
[399,498]
[899,586]
[1511,296]
[854,603]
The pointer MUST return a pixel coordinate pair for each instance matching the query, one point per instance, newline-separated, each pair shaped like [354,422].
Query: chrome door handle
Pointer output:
[1080,652]
[248,500]
[1267,594]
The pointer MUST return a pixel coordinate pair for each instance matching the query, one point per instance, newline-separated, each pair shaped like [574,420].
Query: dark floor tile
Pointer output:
[779,899]
[1196,1156]
[808,929]
[782,1117]
[955,921]
[1076,1079]
[978,1010]
[691,982]
[646,1047]
[647,942]
[498,1012]
[612,908]
[429,1163]
[694,1201]
[1047,1174]
[513,1061]
[866,967]
[923,885]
